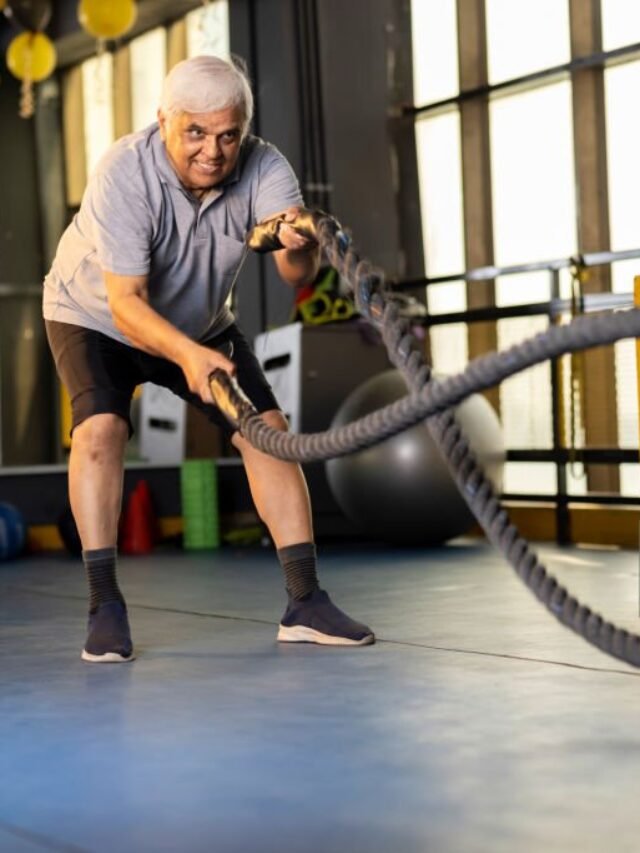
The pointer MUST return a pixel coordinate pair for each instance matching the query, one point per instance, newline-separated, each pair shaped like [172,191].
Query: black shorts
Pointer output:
[101,374]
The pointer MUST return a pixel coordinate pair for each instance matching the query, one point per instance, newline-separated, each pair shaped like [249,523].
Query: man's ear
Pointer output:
[162,121]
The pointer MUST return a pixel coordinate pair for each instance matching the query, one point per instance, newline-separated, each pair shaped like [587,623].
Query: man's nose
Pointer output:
[211,147]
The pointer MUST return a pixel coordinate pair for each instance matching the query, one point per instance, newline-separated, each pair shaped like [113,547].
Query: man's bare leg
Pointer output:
[96,468]
[280,494]
[279,490]
[95,490]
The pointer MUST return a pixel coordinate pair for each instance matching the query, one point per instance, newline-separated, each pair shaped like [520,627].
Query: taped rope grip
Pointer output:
[264,237]
[230,398]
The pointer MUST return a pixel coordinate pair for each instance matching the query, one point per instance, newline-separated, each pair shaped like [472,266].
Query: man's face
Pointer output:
[203,147]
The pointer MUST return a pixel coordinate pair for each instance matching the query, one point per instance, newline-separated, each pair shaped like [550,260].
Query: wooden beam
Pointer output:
[599,391]
[476,175]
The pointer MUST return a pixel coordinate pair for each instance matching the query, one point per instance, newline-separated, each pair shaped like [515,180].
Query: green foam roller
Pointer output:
[199,495]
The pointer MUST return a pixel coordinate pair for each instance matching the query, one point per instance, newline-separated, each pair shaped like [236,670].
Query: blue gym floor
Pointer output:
[476,723]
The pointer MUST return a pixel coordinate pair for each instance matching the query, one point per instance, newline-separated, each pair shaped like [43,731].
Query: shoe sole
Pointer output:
[302,634]
[108,657]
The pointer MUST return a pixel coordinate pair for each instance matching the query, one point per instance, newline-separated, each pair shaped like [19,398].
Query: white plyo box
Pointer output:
[162,425]
[280,355]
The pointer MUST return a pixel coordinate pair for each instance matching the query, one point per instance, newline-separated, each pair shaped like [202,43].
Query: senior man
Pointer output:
[138,292]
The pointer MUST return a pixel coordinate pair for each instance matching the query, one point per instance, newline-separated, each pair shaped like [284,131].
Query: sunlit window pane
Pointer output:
[525,36]
[624,272]
[148,68]
[533,177]
[620,23]
[440,177]
[447,298]
[623,132]
[97,87]
[449,348]
[630,479]
[532,478]
[523,288]
[208,30]
[626,393]
[525,399]
[576,479]
[434,37]
[449,345]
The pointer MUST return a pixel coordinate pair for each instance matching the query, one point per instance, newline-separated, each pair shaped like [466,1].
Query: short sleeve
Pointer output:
[278,186]
[119,218]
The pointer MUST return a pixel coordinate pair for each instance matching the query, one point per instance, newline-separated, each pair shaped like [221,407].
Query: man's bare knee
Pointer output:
[273,418]
[100,433]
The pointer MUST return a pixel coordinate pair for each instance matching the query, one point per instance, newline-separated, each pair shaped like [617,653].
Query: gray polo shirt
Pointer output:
[137,219]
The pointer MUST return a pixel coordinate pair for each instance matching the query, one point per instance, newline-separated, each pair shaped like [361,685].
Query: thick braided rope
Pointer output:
[432,400]
[435,395]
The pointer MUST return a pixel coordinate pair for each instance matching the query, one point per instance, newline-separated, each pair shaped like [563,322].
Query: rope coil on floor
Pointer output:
[431,400]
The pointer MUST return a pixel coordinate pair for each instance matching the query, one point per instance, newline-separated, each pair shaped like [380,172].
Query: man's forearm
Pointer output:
[147,330]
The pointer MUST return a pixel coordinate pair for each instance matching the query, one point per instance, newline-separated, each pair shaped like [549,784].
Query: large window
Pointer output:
[536,157]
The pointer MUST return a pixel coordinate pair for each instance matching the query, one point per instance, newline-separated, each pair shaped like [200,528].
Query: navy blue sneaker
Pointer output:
[316,619]
[109,639]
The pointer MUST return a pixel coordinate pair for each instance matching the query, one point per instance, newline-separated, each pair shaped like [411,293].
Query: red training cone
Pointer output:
[138,532]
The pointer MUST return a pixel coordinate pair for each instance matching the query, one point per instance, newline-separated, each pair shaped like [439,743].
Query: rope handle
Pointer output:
[264,237]
[230,398]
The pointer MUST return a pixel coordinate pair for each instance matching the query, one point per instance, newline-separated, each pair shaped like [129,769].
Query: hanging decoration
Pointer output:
[107,19]
[31,56]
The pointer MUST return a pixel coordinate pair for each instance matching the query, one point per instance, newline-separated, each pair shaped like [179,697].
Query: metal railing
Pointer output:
[557,306]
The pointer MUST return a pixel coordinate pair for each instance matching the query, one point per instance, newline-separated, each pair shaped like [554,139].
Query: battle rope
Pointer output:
[431,400]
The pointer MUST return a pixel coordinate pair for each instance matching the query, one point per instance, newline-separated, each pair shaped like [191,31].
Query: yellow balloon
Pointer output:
[107,19]
[31,56]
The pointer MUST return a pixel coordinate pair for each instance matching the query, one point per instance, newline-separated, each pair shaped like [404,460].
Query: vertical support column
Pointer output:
[600,415]
[403,150]
[476,174]
[122,111]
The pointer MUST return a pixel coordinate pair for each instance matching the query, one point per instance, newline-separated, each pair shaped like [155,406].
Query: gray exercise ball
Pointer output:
[400,490]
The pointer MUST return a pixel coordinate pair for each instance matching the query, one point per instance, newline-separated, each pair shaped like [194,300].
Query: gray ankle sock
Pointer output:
[299,566]
[101,572]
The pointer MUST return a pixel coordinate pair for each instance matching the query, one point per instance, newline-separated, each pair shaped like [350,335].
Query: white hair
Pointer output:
[207,83]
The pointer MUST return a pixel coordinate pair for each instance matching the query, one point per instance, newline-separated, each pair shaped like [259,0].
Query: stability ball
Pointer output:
[400,490]
[13,531]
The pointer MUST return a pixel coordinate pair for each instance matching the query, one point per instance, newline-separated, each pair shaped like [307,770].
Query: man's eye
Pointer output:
[230,136]
[194,133]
